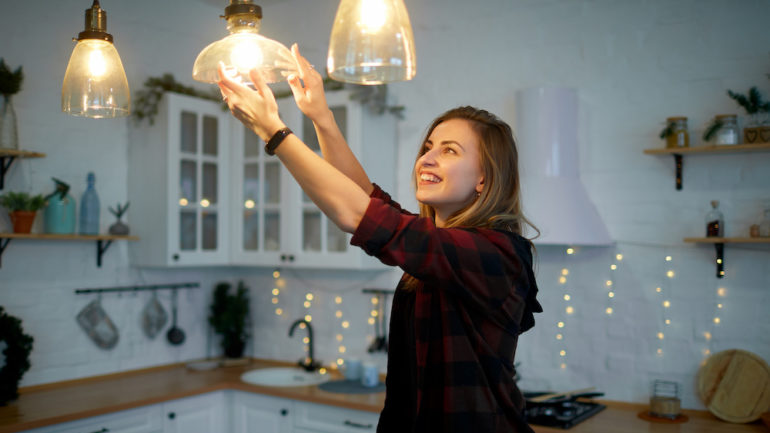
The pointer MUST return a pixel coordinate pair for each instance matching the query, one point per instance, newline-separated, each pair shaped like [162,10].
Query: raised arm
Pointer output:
[339,197]
[311,101]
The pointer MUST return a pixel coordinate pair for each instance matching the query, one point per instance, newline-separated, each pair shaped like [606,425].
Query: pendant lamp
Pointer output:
[95,83]
[371,43]
[244,49]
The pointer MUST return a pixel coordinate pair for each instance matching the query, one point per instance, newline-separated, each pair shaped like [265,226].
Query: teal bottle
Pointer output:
[89,208]
[59,215]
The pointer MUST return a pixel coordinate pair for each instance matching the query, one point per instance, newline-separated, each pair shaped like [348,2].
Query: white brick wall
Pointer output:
[632,63]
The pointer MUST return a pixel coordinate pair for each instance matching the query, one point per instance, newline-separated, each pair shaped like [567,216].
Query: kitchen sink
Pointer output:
[283,376]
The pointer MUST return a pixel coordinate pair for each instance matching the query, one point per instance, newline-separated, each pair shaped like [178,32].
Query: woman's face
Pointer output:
[449,172]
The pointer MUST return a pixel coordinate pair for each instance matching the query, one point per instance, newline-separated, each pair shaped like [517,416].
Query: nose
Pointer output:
[427,159]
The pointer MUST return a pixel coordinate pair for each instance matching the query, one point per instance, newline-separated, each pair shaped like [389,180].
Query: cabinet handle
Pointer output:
[357,425]
[103,430]
[171,415]
[284,412]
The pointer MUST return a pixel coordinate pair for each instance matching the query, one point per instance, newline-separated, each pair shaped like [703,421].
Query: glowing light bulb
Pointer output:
[562,280]
[717,320]
[666,304]
[97,64]
[278,311]
[205,202]
[670,274]
[375,301]
[371,321]
[276,274]
[275,300]
[613,267]
[565,271]
[246,55]
[345,324]
[668,258]
[276,291]
[183,201]
[668,321]
[570,310]
[570,251]
[339,337]
[306,340]
[707,335]
[609,283]
[660,335]
[338,300]
[559,336]
[373,15]
[308,318]
[611,294]
[562,353]
[660,352]
[249,204]
[560,324]
[608,311]
[619,257]
[658,289]
[309,296]
[722,292]
[338,314]
[307,304]
[566,297]
[342,349]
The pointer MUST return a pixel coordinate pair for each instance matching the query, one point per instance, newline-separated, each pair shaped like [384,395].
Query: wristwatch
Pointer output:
[276,140]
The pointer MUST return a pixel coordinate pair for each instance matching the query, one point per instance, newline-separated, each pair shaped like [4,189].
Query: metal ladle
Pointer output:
[174,335]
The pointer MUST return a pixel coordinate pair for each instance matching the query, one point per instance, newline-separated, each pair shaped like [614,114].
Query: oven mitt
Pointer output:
[97,325]
[154,317]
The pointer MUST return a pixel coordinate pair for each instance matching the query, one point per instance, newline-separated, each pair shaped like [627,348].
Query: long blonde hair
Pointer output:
[499,204]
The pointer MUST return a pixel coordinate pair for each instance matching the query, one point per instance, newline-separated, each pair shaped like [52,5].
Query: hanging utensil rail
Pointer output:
[138,288]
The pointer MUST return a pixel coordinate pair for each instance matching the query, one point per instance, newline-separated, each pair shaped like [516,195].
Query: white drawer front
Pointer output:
[140,420]
[321,418]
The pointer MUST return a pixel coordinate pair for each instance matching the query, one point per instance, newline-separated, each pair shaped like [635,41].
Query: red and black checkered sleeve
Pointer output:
[481,265]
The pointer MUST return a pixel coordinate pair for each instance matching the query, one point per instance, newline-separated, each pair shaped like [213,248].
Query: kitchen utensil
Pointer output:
[380,343]
[566,395]
[174,335]
[735,385]
[154,317]
[562,411]
[97,325]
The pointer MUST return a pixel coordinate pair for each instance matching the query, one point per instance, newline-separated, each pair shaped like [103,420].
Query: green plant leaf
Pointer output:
[10,81]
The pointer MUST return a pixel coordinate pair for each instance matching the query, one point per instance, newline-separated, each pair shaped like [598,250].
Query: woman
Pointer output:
[468,289]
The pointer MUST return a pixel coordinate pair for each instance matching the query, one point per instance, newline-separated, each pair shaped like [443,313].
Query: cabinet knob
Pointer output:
[291,257]
[102,430]
[175,257]
[284,412]
[283,257]
[171,415]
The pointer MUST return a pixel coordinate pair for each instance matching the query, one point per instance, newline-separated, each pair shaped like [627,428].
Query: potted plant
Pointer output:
[229,315]
[10,84]
[22,208]
[757,129]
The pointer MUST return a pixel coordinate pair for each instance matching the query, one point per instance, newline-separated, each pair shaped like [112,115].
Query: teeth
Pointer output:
[429,177]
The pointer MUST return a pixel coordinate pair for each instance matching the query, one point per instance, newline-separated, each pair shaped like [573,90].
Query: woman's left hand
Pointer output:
[256,109]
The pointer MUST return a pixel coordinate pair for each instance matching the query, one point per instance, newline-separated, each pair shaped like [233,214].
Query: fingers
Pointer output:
[259,82]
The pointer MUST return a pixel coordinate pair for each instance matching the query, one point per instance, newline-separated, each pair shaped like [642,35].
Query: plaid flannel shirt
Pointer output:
[476,295]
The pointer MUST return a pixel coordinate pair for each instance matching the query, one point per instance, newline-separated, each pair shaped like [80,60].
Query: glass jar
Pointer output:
[764,225]
[677,135]
[715,222]
[728,132]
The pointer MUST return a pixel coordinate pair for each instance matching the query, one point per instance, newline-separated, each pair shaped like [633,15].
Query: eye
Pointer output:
[449,150]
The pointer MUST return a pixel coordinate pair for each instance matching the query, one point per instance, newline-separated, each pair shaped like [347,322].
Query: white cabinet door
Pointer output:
[140,420]
[277,224]
[199,414]
[178,184]
[329,419]
[254,413]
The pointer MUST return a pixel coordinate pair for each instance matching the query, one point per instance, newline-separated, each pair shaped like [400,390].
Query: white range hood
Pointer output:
[554,198]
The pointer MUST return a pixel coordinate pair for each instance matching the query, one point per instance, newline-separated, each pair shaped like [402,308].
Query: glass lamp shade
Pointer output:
[95,83]
[371,43]
[241,52]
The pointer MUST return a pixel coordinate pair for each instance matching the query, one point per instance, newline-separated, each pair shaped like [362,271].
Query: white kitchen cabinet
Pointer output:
[178,184]
[316,418]
[254,413]
[276,224]
[145,419]
[204,413]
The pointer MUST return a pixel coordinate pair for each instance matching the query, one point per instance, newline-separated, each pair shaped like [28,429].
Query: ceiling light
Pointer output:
[95,83]
[371,43]
[244,49]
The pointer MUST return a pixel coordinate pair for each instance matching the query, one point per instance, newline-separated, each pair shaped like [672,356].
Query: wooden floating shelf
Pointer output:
[719,245]
[21,153]
[7,156]
[102,241]
[734,148]
[51,236]
[679,152]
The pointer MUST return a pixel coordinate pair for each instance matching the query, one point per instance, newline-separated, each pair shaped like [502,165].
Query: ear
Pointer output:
[480,185]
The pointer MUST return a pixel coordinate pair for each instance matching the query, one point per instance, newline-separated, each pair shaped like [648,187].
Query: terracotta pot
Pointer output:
[22,221]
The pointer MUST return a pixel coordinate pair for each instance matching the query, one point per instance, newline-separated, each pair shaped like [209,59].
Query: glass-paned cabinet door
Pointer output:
[258,225]
[200,157]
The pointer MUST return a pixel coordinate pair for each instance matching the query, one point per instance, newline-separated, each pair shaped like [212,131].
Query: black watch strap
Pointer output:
[276,140]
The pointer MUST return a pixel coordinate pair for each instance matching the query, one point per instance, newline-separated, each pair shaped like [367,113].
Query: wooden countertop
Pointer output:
[59,402]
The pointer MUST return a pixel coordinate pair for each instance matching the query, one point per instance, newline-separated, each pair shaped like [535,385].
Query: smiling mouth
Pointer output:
[430,178]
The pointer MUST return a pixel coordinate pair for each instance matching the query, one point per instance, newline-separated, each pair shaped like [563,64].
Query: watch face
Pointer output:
[275,140]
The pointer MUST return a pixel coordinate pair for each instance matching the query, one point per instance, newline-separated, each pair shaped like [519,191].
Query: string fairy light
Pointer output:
[609,310]
[278,284]
[665,303]
[568,310]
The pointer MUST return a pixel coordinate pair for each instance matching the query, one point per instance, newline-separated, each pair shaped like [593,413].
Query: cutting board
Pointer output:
[735,385]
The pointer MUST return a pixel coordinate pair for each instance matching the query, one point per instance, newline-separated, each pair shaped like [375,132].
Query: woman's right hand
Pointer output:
[310,98]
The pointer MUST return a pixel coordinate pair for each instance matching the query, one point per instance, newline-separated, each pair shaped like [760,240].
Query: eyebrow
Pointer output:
[445,142]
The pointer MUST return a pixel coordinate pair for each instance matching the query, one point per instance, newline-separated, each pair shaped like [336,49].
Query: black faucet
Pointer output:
[309,364]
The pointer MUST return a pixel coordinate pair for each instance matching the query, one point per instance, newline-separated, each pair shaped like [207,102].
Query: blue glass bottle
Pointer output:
[89,208]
